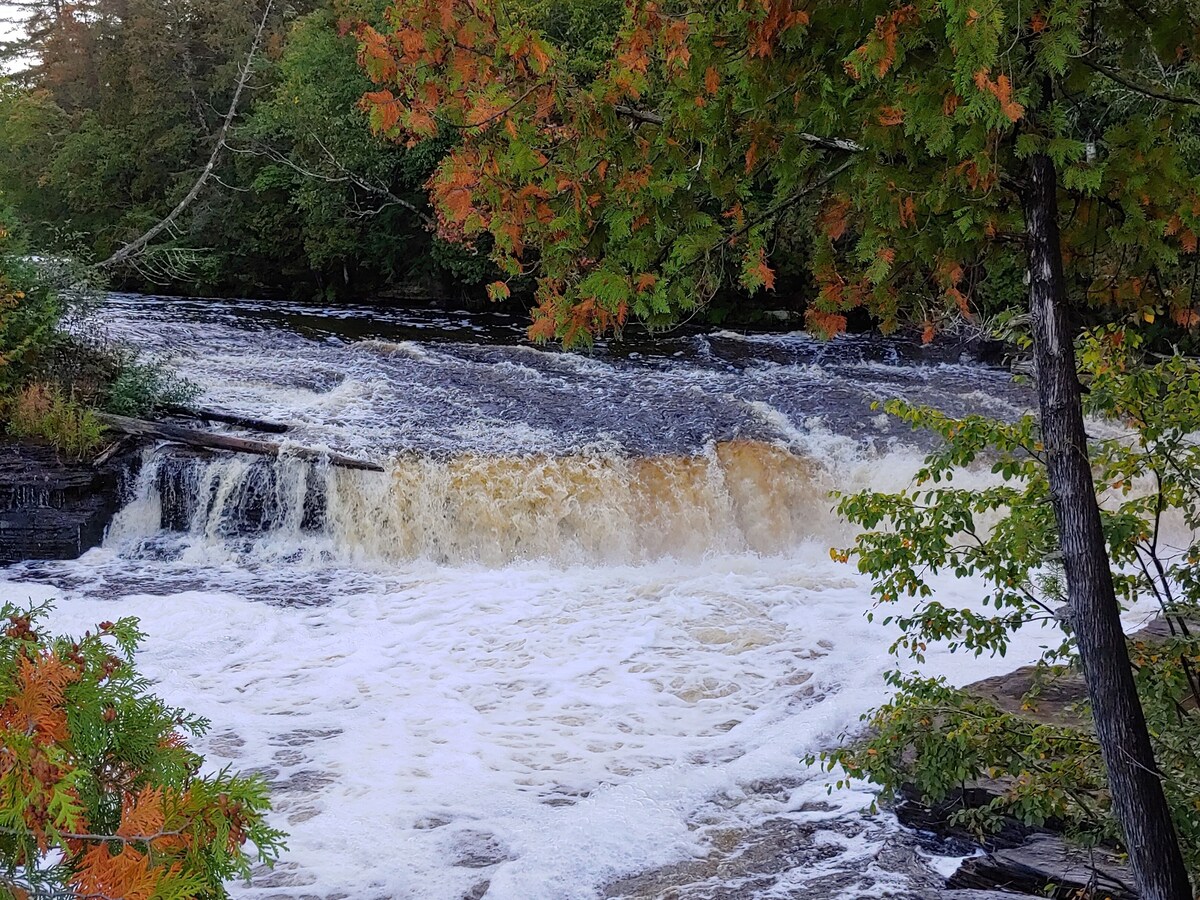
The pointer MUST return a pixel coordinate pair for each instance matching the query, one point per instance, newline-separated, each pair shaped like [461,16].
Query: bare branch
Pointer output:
[1144,90]
[137,246]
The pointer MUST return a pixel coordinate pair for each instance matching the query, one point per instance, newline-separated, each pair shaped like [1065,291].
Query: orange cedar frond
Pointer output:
[712,80]
[1001,89]
[949,272]
[960,301]
[39,699]
[674,38]
[766,273]
[540,54]
[833,217]
[127,875]
[826,324]
[376,55]
[951,103]
[887,32]
[142,815]
[764,32]
[751,155]
[645,281]
[908,212]
[928,333]
[891,115]
[1188,240]
[1037,22]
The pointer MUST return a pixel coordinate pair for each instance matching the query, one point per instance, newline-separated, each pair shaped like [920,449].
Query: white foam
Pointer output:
[471,697]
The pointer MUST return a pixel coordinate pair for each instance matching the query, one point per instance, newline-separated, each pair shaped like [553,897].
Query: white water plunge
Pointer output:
[524,663]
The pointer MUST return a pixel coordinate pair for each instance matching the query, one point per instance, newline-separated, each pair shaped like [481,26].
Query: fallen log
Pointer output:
[227,418]
[209,440]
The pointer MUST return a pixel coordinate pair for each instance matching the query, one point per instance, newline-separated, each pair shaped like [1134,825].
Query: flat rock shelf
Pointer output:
[55,508]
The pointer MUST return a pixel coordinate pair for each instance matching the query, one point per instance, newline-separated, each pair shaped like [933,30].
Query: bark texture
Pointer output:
[1138,799]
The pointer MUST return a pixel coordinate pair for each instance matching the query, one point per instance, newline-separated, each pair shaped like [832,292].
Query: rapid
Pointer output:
[575,642]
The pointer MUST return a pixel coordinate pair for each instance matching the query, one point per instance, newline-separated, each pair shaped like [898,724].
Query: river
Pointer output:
[584,629]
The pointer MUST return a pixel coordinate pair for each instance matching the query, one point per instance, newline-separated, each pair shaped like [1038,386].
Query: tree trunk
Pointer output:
[1136,786]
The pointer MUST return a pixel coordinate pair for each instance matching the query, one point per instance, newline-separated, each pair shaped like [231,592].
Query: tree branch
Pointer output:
[828,143]
[137,246]
[1142,89]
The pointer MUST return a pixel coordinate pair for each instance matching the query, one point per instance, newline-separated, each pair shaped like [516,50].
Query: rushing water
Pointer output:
[573,643]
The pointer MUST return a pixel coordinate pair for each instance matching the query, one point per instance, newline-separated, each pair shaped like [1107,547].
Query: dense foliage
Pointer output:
[29,315]
[100,795]
[936,737]
[115,107]
[896,135]
[57,368]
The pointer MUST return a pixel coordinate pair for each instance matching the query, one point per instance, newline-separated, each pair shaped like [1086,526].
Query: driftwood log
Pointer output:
[228,418]
[209,440]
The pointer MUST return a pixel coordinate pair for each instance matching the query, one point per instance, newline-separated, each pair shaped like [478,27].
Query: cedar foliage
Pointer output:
[899,132]
[100,794]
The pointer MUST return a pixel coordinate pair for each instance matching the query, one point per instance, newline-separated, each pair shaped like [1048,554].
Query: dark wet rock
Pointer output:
[304,736]
[974,795]
[797,860]
[428,822]
[1046,862]
[478,850]
[478,892]
[288,757]
[284,874]
[52,508]
[306,781]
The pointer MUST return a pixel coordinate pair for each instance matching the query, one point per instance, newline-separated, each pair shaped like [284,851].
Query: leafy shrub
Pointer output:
[100,794]
[142,388]
[42,411]
[936,737]
[29,315]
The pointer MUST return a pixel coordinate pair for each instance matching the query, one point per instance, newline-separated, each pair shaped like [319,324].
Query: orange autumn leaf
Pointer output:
[1185,318]
[712,80]
[1001,89]
[645,281]
[890,116]
[826,324]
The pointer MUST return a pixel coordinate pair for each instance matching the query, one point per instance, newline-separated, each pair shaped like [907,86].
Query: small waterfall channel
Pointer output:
[573,642]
